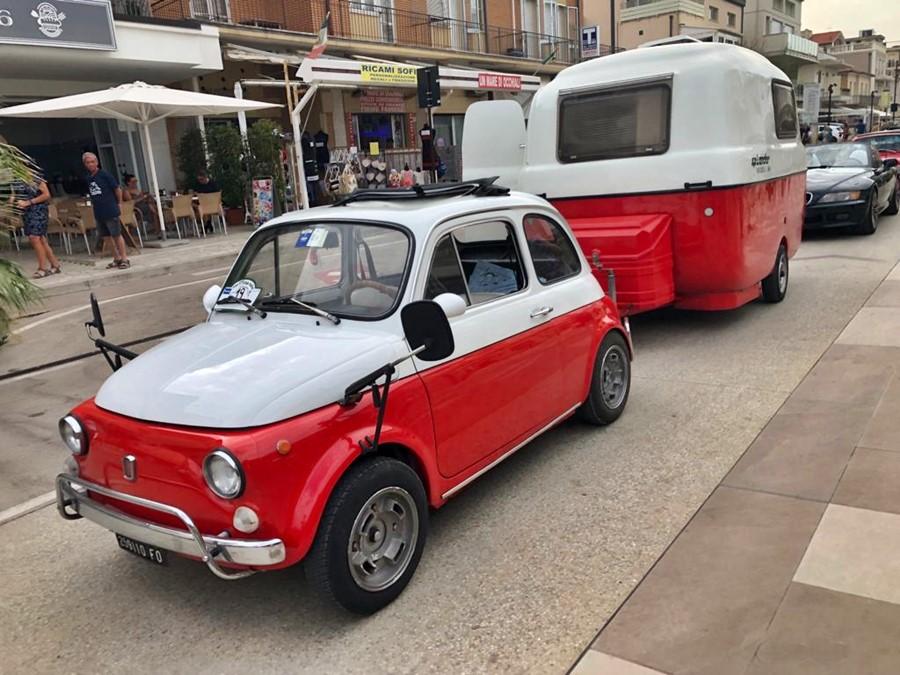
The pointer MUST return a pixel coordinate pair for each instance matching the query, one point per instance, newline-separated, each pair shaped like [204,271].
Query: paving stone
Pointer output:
[598,663]
[871,481]
[821,632]
[873,326]
[883,430]
[886,295]
[705,607]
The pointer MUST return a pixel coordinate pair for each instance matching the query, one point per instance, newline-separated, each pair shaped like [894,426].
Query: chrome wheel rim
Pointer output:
[383,539]
[782,274]
[614,377]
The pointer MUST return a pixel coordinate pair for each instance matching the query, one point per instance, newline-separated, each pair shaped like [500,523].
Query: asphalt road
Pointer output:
[521,569]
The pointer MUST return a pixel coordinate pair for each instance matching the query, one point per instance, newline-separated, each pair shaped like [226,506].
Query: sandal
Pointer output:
[114,264]
[56,270]
[40,274]
[124,264]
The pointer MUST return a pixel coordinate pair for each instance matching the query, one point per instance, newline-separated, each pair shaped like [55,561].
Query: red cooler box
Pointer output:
[639,250]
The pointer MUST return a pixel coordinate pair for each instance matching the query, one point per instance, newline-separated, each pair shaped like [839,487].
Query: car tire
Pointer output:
[610,382]
[894,205]
[870,224]
[377,510]
[774,286]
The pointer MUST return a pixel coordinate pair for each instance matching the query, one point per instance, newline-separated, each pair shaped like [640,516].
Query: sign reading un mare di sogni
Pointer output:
[84,24]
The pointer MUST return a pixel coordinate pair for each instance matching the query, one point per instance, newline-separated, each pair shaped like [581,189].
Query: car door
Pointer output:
[884,179]
[497,388]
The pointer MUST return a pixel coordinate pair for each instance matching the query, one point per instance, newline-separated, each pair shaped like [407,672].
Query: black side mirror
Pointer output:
[425,324]
[97,321]
[890,163]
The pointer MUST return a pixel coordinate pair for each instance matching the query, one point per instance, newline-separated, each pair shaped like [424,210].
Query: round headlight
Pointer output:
[73,435]
[223,474]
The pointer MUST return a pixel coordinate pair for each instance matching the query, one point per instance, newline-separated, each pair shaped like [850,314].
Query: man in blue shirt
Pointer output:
[106,198]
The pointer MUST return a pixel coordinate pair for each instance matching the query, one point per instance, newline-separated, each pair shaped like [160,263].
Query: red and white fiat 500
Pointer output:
[264,436]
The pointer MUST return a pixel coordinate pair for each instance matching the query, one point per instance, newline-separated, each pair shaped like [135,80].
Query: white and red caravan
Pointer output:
[680,164]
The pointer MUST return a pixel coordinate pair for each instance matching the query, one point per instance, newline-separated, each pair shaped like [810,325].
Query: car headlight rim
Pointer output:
[222,455]
[74,435]
[842,196]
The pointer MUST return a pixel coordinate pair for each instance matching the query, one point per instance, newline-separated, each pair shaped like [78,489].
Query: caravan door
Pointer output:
[494,142]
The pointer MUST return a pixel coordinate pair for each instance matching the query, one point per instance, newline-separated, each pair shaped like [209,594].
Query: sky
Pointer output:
[849,16]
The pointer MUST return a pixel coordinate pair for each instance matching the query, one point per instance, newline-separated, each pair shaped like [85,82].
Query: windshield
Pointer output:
[843,154]
[891,142]
[351,270]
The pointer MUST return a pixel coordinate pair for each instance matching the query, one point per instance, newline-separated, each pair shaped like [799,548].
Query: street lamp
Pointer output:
[872,110]
[830,90]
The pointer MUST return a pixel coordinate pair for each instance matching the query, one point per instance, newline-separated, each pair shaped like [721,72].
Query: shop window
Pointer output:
[552,252]
[448,129]
[615,123]
[785,110]
[386,129]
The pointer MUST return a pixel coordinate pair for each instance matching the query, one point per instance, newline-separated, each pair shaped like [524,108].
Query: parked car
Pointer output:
[886,142]
[364,362]
[849,185]
[837,130]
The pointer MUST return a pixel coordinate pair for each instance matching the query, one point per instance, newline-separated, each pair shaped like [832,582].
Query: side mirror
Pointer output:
[210,297]
[890,163]
[452,304]
[425,324]
[97,320]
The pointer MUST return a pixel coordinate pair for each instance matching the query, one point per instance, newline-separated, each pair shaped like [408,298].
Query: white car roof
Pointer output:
[418,215]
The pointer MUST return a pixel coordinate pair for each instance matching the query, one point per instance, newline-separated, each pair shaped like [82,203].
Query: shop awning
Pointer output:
[332,71]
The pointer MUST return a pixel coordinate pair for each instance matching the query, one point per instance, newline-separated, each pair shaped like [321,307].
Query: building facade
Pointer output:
[773,28]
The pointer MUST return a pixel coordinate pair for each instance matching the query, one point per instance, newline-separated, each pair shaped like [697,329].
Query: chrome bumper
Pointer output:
[73,502]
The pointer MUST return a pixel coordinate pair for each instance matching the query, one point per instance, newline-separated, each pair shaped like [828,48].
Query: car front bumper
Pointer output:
[73,501]
[836,214]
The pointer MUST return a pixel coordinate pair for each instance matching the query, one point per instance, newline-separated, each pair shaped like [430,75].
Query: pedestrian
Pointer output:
[32,199]
[106,198]
[205,184]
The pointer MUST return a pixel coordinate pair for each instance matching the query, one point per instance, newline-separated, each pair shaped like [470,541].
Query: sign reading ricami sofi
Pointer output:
[84,24]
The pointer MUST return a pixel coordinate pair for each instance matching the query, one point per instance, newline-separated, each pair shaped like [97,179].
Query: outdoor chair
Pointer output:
[12,226]
[182,209]
[129,221]
[82,224]
[210,206]
[55,226]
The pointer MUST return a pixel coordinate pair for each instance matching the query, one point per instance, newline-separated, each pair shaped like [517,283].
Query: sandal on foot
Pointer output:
[56,270]
[40,274]
[114,264]
[124,264]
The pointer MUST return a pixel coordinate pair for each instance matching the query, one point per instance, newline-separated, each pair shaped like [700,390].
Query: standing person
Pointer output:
[32,200]
[106,198]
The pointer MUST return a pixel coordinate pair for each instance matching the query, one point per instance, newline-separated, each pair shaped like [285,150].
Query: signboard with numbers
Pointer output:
[84,24]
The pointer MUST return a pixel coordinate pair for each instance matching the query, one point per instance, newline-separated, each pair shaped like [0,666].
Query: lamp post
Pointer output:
[830,90]
[872,111]
[896,75]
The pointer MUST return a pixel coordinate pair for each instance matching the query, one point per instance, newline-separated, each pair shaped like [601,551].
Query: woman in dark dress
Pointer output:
[33,201]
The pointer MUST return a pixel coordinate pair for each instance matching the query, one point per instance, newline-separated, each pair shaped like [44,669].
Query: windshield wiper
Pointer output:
[231,300]
[283,300]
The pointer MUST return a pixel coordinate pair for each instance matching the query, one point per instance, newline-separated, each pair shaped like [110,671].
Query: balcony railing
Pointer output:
[369,21]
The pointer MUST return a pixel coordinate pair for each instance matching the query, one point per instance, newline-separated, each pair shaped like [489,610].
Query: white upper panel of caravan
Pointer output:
[721,127]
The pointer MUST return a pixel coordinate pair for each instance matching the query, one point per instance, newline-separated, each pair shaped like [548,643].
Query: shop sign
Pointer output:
[811,102]
[263,200]
[85,24]
[385,73]
[497,81]
[382,101]
[590,42]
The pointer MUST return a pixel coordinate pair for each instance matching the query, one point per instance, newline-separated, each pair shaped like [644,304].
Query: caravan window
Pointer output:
[614,123]
[785,110]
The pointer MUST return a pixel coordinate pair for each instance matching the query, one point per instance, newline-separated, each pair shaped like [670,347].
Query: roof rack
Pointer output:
[480,187]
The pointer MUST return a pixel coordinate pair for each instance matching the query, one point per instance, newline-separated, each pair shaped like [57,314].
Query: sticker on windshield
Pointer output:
[244,289]
[312,238]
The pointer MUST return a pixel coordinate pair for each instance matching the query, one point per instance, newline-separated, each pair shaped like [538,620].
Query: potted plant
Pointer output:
[225,148]
[191,154]
[16,291]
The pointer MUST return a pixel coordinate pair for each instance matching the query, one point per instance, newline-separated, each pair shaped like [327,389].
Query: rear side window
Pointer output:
[630,122]
[785,110]
[552,252]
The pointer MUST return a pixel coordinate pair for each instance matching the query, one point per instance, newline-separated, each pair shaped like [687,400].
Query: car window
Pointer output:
[446,275]
[889,142]
[785,110]
[552,252]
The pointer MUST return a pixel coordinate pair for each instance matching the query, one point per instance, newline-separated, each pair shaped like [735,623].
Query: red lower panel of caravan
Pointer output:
[704,249]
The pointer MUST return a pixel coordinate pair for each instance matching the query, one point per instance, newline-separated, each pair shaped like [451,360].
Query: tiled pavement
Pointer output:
[793,563]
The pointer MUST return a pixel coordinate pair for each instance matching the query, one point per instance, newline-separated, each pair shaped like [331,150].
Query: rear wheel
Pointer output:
[774,286]
[610,383]
[371,536]
[894,205]
[870,223]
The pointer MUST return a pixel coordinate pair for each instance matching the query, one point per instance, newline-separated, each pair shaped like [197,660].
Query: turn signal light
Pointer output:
[283,447]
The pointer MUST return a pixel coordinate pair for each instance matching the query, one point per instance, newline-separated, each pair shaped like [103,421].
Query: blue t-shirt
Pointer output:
[102,189]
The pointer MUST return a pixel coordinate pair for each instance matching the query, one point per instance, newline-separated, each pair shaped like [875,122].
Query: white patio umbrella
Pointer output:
[140,103]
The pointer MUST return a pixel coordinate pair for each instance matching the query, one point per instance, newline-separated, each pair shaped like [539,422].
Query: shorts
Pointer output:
[110,227]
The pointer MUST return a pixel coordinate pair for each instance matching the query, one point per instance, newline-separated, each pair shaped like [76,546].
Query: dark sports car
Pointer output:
[848,184]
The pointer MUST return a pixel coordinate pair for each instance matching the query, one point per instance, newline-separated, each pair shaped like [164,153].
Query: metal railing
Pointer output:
[367,21]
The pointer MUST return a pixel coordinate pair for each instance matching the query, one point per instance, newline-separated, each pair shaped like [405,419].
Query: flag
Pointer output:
[322,40]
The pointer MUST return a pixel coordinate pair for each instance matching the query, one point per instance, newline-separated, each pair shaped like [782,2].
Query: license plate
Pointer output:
[142,550]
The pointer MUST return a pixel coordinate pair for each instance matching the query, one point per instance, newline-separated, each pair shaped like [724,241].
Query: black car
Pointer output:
[848,184]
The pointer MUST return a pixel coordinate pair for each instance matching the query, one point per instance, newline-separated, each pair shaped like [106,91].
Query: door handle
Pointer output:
[540,311]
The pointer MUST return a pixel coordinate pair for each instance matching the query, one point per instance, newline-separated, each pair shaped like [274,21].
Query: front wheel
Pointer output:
[870,224]
[610,382]
[774,286]
[371,536]
[894,205]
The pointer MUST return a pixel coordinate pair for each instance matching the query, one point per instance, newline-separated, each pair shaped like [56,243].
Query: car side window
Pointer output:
[552,252]
[478,262]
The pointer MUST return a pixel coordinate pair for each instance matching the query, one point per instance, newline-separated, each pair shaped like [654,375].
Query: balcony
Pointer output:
[368,21]
[790,46]
[642,9]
